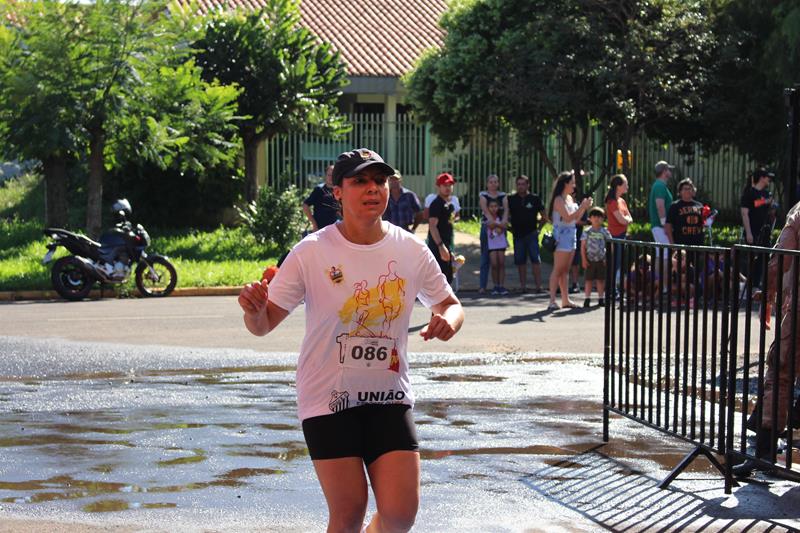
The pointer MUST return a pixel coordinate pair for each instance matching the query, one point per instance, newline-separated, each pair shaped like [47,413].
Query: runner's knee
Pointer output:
[399,515]
[348,517]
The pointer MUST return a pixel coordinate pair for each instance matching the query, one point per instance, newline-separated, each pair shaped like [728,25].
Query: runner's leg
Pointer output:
[395,482]
[344,484]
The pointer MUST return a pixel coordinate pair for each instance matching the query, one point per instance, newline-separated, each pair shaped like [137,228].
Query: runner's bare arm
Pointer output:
[260,315]
[448,315]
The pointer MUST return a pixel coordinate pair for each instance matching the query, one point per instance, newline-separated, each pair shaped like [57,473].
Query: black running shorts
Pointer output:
[367,431]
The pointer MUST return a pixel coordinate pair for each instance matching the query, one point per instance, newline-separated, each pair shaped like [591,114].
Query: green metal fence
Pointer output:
[410,147]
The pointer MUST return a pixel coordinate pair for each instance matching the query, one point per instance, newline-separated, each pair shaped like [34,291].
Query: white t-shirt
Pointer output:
[453,200]
[358,305]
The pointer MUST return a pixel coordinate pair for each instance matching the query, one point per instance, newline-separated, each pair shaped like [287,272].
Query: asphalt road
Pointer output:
[166,415]
[493,324]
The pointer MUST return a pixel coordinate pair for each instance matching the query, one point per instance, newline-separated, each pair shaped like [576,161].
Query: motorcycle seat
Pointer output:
[77,236]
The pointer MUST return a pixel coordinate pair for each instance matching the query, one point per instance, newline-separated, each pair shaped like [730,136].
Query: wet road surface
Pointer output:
[154,438]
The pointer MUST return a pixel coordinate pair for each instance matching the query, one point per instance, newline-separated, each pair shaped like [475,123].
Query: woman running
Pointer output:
[353,390]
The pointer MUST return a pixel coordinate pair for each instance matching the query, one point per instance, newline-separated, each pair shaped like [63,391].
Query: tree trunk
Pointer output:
[538,144]
[55,191]
[94,187]
[250,142]
[575,150]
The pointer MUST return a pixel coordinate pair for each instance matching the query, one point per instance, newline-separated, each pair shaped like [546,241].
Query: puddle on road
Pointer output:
[455,378]
[198,457]
[280,427]
[228,442]
[106,506]
[60,440]
[286,451]
[509,450]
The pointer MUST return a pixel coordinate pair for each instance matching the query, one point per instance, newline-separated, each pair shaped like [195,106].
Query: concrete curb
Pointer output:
[15,296]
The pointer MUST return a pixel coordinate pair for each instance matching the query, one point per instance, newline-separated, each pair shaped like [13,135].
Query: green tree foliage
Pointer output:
[289,80]
[556,67]
[37,116]
[655,66]
[106,81]
[759,56]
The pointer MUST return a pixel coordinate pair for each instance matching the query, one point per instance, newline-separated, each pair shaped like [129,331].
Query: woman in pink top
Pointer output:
[618,216]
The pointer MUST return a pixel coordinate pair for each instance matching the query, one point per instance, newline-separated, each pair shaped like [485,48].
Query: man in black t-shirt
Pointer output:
[524,211]
[326,208]
[755,204]
[440,224]
[685,217]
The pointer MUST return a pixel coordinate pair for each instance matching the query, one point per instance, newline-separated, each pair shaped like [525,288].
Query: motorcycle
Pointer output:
[110,260]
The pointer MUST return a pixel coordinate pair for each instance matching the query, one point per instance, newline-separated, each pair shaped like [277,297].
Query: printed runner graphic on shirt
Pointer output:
[369,313]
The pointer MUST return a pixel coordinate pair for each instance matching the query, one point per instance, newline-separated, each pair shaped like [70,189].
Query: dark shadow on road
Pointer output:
[541,314]
[537,316]
[618,498]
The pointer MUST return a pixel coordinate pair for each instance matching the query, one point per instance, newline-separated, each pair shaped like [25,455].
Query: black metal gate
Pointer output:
[681,355]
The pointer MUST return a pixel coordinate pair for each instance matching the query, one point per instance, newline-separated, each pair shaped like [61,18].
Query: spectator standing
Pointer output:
[524,210]
[432,196]
[564,212]
[440,224]
[576,259]
[778,380]
[658,203]
[492,191]
[685,217]
[593,255]
[497,243]
[619,217]
[403,209]
[321,199]
[755,205]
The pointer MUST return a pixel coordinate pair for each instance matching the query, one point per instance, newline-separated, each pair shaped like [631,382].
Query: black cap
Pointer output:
[761,172]
[351,163]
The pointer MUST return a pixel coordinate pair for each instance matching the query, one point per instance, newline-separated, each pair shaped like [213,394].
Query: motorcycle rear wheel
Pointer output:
[70,280]
[162,283]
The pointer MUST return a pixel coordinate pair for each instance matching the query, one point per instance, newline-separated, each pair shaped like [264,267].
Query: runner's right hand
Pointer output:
[253,297]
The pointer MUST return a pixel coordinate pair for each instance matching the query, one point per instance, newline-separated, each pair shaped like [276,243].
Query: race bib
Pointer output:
[367,353]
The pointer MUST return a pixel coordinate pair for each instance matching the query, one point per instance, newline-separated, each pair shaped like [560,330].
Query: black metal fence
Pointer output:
[686,354]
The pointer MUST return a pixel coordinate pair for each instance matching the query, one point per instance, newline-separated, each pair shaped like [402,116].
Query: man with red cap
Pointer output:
[440,224]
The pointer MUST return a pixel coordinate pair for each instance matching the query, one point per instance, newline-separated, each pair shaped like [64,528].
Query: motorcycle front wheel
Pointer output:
[157,279]
[70,280]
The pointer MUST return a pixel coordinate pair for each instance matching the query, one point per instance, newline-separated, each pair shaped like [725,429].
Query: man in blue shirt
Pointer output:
[403,209]
[326,208]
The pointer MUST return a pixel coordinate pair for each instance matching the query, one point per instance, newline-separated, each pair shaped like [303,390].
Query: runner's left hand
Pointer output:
[437,328]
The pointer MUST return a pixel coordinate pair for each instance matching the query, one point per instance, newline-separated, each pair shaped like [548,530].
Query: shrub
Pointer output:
[276,217]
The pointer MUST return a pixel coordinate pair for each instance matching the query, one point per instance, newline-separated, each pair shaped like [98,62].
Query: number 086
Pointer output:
[369,353]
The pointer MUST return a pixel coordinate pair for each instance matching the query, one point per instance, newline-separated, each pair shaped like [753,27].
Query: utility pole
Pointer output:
[790,182]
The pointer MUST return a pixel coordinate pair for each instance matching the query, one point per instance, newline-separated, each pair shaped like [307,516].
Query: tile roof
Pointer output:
[377,38]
